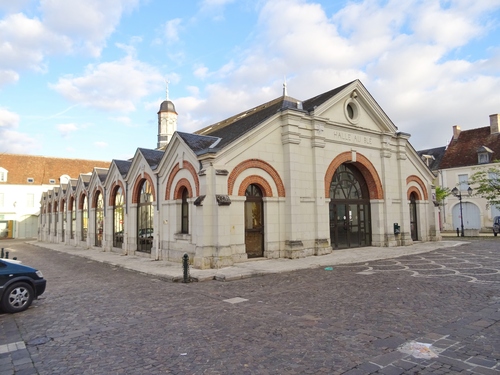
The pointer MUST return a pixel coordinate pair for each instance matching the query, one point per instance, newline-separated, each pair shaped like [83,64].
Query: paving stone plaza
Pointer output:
[435,312]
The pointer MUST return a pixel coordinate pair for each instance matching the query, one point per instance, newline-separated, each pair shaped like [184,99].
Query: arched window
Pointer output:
[85,218]
[49,211]
[73,218]
[185,211]
[118,218]
[145,218]
[64,220]
[99,219]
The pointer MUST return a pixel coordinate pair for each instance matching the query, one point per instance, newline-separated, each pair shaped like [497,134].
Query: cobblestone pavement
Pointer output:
[432,313]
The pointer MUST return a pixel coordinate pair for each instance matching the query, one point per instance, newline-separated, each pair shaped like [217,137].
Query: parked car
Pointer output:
[19,285]
[496,225]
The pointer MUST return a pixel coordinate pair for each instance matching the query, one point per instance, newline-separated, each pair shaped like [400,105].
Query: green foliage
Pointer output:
[441,194]
[486,184]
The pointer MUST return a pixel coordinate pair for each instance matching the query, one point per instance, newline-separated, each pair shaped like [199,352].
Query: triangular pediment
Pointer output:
[352,105]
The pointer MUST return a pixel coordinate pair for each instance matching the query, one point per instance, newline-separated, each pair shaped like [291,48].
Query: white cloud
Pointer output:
[100,144]
[8,119]
[88,23]
[24,43]
[172,28]
[214,8]
[408,55]
[66,129]
[113,86]
[12,141]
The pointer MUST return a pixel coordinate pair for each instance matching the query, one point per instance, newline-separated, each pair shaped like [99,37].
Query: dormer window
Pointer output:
[428,159]
[3,174]
[484,155]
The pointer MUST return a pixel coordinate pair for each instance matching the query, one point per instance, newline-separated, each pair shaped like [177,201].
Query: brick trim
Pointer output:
[138,184]
[183,182]
[257,180]
[255,163]
[365,167]
[413,189]
[95,196]
[114,189]
[185,165]
[420,183]
[80,201]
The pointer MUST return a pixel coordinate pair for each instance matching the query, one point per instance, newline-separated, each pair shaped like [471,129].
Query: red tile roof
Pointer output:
[462,152]
[42,168]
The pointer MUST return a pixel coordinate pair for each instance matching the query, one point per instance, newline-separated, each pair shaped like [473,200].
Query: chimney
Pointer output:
[456,132]
[494,123]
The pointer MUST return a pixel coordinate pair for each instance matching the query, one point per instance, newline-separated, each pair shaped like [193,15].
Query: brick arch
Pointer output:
[420,183]
[185,165]
[413,189]
[114,190]
[61,208]
[70,205]
[267,191]
[49,208]
[255,163]
[182,183]
[95,195]
[138,184]
[80,201]
[364,166]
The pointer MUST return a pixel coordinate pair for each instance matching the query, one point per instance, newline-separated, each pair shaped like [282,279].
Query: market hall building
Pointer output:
[286,179]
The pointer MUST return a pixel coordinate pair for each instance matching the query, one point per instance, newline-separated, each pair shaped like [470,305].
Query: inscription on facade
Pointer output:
[353,138]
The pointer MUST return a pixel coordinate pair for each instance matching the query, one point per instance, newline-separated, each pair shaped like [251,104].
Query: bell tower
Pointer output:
[167,122]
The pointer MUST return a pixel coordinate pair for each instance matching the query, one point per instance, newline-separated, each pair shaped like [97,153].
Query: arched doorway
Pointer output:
[350,224]
[99,219]
[145,218]
[118,216]
[471,216]
[413,217]
[254,222]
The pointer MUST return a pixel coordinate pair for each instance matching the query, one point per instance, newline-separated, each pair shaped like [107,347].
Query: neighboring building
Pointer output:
[23,179]
[467,152]
[286,179]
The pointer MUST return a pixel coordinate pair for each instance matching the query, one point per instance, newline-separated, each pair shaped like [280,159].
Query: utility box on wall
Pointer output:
[397,229]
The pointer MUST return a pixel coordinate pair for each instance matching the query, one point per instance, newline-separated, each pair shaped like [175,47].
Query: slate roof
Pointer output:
[229,130]
[123,166]
[316,101]
[437,153]
[43,169]
[153,157]
[462,152]
[200,144]
[101,173]
[85,179]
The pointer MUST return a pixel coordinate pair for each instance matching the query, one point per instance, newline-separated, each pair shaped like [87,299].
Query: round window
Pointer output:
[351,111]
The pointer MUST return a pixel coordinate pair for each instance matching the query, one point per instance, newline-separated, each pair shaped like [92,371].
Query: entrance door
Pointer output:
[413,217]
[254,222]
[349,209]
[348,225]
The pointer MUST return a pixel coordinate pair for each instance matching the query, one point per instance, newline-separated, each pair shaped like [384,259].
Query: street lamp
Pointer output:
[458,194]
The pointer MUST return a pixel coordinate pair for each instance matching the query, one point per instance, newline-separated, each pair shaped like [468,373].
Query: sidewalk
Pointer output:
[171,271]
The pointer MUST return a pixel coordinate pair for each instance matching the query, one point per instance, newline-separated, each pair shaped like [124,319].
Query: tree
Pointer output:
[441,194]
[487,184]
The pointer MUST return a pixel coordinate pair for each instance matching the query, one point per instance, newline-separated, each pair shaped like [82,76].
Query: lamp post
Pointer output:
[458,194]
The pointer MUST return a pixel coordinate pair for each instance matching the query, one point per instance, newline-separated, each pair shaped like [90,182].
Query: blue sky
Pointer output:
[84,79]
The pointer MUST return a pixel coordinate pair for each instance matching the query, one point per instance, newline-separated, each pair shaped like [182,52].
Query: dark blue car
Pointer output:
[19,285]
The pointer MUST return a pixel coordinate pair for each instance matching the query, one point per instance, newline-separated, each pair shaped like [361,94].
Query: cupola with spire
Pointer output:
[167,122]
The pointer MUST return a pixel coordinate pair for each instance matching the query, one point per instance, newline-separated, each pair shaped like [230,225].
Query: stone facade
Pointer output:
[263,179]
